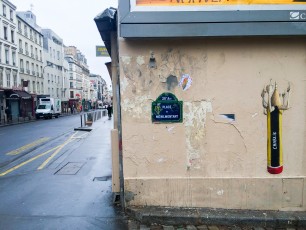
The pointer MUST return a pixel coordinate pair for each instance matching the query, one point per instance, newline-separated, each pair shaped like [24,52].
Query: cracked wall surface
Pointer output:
[220,147]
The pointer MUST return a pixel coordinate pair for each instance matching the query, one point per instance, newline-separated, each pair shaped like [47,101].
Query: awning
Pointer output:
[16,94]
[106,22]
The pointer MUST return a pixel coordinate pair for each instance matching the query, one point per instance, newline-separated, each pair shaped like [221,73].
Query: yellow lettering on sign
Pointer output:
[213,2]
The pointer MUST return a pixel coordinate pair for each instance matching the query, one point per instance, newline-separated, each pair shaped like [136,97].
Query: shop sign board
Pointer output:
[211,18]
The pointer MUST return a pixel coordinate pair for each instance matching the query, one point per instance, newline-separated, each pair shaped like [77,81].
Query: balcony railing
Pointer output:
[21,70]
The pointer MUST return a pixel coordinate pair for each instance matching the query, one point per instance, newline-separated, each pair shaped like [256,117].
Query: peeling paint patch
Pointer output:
[126,60]
[254,115]
[220,192]
[160,160]
[195,119]
[170,129]
[140,60]
[124,84]
[139,107]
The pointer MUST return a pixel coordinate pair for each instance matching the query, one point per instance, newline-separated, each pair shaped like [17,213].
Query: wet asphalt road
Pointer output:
[62,182]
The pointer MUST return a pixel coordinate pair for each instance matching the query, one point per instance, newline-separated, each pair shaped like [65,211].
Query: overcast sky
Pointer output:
[72,20]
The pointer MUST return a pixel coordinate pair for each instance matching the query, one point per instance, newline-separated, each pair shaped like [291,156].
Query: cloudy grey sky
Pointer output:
[72,20]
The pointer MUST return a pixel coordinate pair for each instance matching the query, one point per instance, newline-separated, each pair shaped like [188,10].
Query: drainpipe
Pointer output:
[117,115]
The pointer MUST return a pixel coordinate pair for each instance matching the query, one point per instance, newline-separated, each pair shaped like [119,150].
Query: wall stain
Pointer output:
[194,119]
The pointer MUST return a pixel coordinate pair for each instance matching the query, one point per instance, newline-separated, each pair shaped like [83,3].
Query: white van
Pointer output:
[48,108]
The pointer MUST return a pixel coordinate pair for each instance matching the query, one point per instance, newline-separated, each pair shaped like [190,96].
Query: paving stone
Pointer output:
[144,227]
[213,227]
[258,228]
[156,227]
[168,227]
[202,227]
[132,225]
[191,227]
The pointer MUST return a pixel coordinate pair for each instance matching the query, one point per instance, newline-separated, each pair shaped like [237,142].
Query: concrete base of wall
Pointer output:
[275,194]
[200,216]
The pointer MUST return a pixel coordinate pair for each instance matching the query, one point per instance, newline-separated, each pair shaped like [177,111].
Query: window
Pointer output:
[12,36]
[42,88]
[50,52]
[40,57]
[37,71]
[54,53]
[58,55]
[70,67]
[14,58]
[25,30]
[38,87]
[33,72]
[14,79]
[36,56]
[11,15]
[32,54]
[19,26]
[4,10]
[71,94]
[20,46]
[5,32]
[28,67]
[8,79]
[21,66]
[1,78]
[7,56]
[26,48]
[33,86]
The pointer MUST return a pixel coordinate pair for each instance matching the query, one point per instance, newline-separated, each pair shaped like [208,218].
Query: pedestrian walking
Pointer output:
[109,111]
[8,113]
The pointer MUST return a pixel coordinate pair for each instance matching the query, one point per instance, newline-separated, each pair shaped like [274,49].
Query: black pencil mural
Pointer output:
[274,105]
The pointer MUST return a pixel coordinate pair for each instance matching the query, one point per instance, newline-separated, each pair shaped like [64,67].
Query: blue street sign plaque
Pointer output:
[167,109]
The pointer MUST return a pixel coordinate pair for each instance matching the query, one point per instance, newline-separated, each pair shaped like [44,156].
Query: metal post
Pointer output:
[81,121]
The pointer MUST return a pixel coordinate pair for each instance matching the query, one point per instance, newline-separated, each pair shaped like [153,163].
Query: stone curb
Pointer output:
[200,216]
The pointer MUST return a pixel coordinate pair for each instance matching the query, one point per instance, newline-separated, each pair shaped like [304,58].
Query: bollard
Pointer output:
[81,121]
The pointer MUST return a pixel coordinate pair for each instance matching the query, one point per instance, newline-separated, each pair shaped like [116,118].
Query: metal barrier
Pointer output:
[88,118]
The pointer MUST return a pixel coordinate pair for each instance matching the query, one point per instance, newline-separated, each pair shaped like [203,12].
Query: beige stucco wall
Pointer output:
[207,161]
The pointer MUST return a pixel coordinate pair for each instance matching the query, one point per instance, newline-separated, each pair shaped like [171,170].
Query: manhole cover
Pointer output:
[103,178]
[71,168]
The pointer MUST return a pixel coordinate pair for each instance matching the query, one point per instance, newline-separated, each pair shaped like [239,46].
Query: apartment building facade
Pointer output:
[54,71]
[79,82]
[30,53]
[11,91]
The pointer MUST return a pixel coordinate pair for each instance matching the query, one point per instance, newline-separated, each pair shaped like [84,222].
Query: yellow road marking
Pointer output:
[28,161]
[25,147]
[60,147]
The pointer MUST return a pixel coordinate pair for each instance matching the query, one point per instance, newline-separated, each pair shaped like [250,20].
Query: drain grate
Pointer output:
[71,168]
[103,178]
